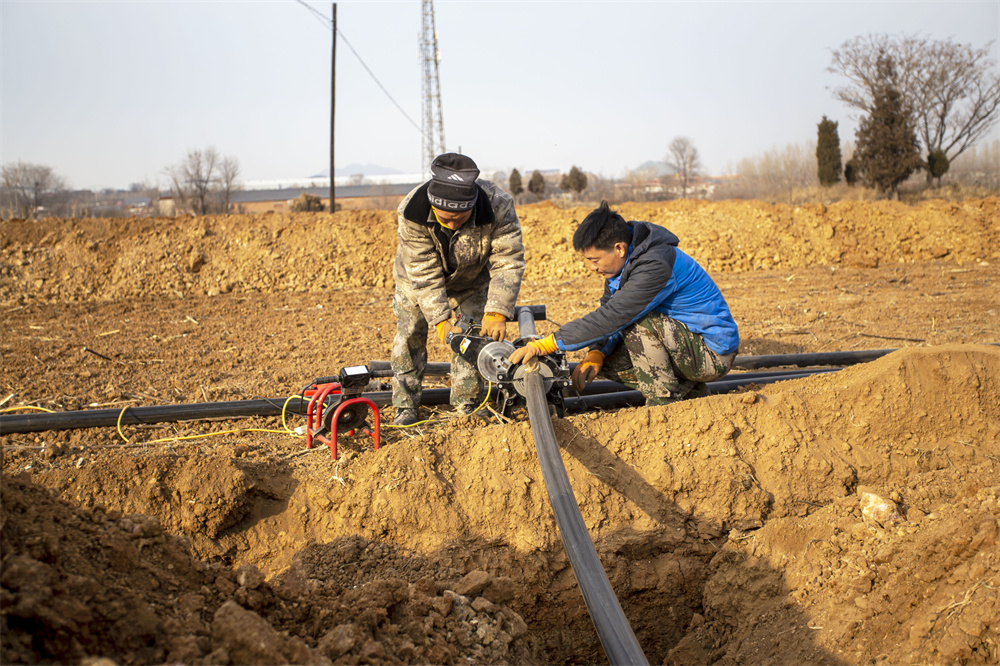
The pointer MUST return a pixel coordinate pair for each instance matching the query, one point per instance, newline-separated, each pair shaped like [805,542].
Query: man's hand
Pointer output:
[495,326]
[546,345]
[444,328]
[587,370]
[524,354]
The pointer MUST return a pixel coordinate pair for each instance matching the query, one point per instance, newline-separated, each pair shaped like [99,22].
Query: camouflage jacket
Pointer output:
[485,254]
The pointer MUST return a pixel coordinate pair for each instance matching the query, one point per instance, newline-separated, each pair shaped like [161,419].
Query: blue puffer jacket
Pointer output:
[656,277]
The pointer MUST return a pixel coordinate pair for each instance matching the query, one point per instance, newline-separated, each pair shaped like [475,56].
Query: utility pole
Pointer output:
[333,102]
[430,57]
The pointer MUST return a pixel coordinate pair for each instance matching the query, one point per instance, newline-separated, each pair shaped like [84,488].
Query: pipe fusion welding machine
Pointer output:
[489,358]
[337,404]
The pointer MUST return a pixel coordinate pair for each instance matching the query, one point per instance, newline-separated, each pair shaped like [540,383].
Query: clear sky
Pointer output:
[111,93]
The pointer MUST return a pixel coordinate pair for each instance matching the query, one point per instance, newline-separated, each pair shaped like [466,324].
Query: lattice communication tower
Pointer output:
[430,57]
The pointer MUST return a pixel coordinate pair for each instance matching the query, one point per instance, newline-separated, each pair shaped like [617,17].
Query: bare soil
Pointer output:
[844,518]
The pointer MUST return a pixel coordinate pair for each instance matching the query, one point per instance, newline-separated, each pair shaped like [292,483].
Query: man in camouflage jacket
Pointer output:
[460,252]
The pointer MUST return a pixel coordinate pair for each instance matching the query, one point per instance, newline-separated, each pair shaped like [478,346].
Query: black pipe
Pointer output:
[97,418]
[383,368]
[616,395]
[101,418]
[613,400]
[613,628]
[724,385]
[806,360]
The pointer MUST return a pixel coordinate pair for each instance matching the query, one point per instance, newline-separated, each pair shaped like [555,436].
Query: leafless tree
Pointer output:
[198,170]
[951,91]
[25,186]
[229,171]
[683,160]
[978,166]
[203,178]
[776,173]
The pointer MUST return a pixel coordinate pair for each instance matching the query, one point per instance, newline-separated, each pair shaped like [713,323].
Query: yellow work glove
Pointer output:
[587,370]
[546,345]
[495,326]
[445,327]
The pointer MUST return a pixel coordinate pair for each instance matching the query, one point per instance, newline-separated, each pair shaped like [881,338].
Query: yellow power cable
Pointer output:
[286,431]
[284,410]
[489,388]
[37,409]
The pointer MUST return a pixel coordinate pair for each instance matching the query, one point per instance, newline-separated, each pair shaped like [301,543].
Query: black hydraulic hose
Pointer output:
[102,418]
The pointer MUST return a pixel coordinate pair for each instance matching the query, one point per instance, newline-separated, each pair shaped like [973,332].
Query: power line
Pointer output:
[329,26]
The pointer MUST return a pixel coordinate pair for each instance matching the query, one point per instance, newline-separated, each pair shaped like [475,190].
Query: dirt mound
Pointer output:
[843,518]
[80,585]
[107,260]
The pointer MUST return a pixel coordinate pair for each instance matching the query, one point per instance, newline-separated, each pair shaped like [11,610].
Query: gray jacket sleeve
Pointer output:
[636,297]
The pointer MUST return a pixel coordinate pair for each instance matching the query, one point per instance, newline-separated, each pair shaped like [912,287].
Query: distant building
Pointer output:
[384,195]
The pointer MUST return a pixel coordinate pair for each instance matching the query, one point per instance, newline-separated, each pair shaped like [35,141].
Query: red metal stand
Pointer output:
[313,418]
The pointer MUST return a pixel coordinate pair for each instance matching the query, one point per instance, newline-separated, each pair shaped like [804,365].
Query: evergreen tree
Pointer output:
[828,152]
[887,150]
[537,185]
[515,182]
[851,172]
[580,179]
[574,181]
[937,164]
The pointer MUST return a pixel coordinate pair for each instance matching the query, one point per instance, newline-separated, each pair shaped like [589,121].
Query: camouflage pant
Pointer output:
[409,351]
[665,361]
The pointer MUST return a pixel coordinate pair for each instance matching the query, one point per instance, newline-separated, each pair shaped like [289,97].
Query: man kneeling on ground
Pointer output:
[662,327]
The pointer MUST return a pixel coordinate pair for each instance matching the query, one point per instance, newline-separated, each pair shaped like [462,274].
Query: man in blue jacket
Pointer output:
[662,326]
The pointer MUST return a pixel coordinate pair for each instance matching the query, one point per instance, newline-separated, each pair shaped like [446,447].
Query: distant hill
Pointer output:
[358,169]
[658,167]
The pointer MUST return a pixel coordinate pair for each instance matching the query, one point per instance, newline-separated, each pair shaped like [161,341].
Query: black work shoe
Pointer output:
[405,416]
